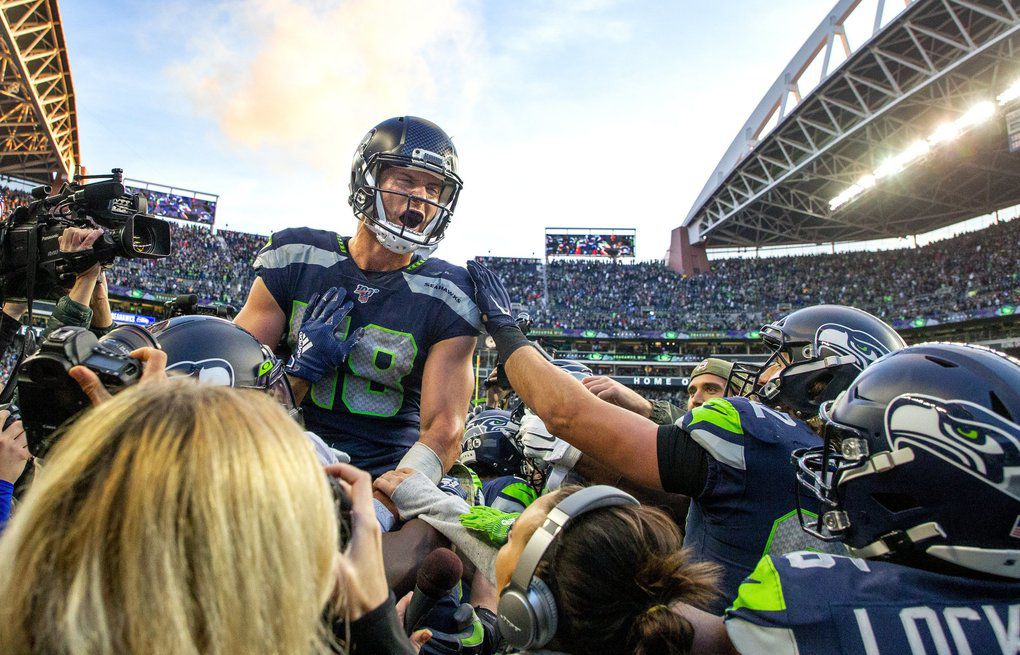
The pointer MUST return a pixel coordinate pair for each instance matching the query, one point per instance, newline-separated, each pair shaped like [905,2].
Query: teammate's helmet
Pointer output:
[575,368]
[825,347]
[216,351]
[921,460]
[408,142]
[488,446]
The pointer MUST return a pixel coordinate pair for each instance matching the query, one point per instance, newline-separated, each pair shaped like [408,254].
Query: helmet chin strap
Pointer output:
[915,535]
[392,242]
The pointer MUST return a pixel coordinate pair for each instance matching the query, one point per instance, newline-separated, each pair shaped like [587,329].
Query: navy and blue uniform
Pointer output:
[370,408]
[808,602]
[743,502]
[508,493]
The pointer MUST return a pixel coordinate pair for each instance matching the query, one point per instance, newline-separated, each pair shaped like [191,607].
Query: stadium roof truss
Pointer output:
[38,120]
[926,66]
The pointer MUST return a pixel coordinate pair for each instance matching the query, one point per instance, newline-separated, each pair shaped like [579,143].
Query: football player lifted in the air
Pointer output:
[730,455]
[380,334]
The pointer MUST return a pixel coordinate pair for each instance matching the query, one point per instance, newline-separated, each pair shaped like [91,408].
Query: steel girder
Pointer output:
[38,120]
[928,65]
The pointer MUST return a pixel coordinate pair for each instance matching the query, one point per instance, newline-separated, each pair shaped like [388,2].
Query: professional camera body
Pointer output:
[31,262]
[187,305]
[48,396]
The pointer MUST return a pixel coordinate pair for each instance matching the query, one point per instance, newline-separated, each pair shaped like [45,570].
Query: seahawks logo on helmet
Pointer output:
[843,340]
[217,372]
[962,433]
[485,425]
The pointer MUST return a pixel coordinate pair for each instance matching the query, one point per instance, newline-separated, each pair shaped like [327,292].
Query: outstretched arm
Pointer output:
[620,439]
[615,436]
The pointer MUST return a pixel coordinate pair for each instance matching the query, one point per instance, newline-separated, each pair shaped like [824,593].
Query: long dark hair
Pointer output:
[614,575]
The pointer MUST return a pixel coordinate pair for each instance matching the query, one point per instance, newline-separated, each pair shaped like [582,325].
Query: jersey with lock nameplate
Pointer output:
[808,602]
[370,407]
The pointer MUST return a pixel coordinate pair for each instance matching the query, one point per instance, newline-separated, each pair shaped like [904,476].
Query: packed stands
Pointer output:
[11,198]
[947,280]
[217,267]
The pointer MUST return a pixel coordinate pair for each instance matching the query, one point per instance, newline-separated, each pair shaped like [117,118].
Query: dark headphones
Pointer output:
[527,610]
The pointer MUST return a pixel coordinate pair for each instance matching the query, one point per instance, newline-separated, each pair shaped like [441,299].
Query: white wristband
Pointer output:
[383,515]
[423,459]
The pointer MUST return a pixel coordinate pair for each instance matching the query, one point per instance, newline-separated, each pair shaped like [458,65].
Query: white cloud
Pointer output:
[303,80]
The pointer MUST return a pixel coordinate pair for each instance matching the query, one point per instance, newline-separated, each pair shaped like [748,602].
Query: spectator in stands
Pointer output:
[150,532]
[941,280]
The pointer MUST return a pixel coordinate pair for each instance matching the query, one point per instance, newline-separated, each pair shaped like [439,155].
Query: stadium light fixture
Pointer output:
[1010,94]
[976,115]
[896,164]
[943,133]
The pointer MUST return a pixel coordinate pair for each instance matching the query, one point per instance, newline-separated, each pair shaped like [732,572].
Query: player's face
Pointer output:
[704,387]
[525,526]
[405,192]
[774,369]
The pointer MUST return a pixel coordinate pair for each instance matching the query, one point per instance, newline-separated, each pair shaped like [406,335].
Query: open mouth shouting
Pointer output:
[412,218]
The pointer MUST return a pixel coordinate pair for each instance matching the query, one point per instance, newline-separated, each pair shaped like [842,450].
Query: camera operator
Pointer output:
[87,303]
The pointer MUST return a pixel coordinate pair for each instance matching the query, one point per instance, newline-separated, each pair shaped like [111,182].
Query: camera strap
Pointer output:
[33,259]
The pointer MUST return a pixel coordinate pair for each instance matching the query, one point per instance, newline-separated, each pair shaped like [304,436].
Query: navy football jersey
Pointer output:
[370,407]
[748,506]
[508,493]
[810,602]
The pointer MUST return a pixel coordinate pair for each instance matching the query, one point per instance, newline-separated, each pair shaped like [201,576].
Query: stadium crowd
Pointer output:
[11,198]
[214,266]
[942,280]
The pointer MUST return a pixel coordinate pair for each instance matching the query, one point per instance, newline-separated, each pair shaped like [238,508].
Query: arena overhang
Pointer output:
[38,120]
[871,152]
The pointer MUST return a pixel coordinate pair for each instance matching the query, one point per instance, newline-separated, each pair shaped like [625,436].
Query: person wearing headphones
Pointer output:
[589,570]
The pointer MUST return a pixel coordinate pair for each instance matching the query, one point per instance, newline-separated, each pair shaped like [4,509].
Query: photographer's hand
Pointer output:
[361,579]
[14,453]
[102,315]
[75,239]
[153,372]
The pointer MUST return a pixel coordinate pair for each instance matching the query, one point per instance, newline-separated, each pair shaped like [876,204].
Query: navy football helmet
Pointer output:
[407,142]
[488,446]
[575,368]
[921,461]
[215,351]
[824,348]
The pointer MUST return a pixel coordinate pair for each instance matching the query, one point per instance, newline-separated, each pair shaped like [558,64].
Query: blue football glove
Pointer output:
[491,297]
[319,349]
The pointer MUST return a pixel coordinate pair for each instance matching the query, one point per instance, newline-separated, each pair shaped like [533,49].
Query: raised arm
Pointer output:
[620,439]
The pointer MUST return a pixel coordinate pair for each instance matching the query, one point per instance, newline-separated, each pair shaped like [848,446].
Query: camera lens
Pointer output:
[127,338]
[143,239]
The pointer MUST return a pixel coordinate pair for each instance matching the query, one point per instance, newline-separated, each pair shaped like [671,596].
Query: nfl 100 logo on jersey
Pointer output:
[364,293]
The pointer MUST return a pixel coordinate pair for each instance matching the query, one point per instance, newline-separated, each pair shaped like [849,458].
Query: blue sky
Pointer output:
[592,113]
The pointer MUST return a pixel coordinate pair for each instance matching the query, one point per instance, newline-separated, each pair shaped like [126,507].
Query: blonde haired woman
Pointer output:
[183,518]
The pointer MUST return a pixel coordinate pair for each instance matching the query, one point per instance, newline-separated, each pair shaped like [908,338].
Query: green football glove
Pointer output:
[492,524]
